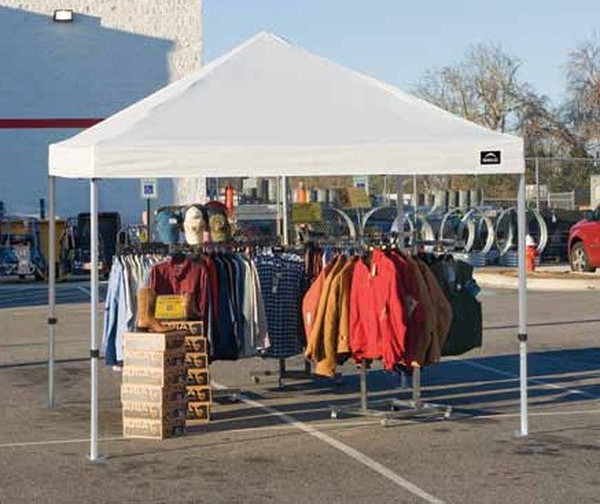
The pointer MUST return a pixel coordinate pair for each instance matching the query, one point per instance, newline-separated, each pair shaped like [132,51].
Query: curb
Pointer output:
[496,281]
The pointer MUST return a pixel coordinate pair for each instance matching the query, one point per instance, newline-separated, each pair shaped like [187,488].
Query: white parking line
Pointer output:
[538,414]
[58,441]
[324,425]
[344,448]
[531,380]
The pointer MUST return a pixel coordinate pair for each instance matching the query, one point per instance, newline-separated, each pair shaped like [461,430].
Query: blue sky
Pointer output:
[398,40]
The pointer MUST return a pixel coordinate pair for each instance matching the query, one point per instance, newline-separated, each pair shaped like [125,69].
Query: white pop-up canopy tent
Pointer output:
[268,108]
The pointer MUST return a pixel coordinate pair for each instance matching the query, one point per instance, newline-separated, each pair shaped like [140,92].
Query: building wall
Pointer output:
[114,53]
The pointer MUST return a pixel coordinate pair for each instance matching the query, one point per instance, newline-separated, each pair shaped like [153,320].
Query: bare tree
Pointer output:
[545,132]
[483,87]
[583,87]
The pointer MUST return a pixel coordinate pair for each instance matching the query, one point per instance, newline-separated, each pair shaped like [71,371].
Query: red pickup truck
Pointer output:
[584,242]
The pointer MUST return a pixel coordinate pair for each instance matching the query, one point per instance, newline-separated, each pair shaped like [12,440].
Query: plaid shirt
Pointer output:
[280,279]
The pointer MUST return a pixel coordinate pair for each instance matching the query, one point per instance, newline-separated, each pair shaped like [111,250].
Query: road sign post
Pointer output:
[148,191]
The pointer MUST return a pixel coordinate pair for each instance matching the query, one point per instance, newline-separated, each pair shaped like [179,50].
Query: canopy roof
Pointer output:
[269,108]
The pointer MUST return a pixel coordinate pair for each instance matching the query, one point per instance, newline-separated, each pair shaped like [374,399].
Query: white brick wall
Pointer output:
[175,20]
[113,54]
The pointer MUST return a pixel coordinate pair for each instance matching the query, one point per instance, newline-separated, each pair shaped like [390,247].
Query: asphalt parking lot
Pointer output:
[23,293]
[282,445]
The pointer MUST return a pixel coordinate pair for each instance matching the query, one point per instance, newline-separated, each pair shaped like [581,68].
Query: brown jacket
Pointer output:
[423,333]
[336,325]
[314,344]
[310,302]
[443,315]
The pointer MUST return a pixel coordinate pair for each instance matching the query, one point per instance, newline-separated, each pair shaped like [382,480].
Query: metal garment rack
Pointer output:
[283,373]
[392,408]
[230,394]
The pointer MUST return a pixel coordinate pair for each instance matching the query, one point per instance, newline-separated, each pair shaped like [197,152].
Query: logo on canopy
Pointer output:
[489,157]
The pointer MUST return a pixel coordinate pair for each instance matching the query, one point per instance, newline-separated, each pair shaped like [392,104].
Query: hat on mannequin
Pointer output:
[194,225]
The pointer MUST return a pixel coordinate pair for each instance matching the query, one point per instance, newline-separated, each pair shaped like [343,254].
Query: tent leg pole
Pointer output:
[414,216]
[278,204]
[524,430]
[400,208]
[94,353]
[51,256]
[284,200]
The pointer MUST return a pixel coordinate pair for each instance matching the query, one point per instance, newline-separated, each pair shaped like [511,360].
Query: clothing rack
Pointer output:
[231,394]
[392,408]
[283,373]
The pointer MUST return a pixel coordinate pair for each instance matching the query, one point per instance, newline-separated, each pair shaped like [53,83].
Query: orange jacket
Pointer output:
[310,302]
[314,343]
[336,340]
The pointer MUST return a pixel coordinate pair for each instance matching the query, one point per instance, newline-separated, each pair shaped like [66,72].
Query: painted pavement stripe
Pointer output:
[344,448]
[530,380]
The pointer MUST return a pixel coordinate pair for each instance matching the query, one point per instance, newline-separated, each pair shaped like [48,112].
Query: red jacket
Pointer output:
[389,295]
[183,277]
[364,328]
[377,327]
[414,314]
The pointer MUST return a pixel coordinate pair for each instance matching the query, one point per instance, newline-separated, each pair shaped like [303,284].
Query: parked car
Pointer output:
[584,242]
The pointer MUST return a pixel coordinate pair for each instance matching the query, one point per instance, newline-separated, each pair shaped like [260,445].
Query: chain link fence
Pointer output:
[470,215]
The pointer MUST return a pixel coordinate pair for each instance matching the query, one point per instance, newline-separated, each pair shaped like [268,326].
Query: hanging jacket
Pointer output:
[414,313]
[466,329]
[336,344]
[310,301]
[365,340]
[443,318]
[185,276]
[388,298]
[315,344]
[425,331]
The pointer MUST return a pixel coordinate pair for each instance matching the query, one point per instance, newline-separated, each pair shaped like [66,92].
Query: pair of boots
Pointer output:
[146,303]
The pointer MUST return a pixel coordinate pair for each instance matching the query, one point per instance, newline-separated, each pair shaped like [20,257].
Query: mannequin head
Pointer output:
[220,228]
[168,225]
[194,225]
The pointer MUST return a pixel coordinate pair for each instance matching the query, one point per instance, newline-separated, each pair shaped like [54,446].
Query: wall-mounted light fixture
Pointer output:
[63,15]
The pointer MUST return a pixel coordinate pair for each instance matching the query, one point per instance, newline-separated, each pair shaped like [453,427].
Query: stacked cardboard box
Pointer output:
[197,380]
[197,371]
[153,391]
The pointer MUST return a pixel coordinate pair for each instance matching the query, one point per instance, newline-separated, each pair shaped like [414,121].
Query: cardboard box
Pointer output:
[190,327]
[197,344]
[154,376]
[154,410]
[145,358]
[153,393]
[198,393]
[196,360]
[197,413]
[154,342]
[197,376]
[152,429]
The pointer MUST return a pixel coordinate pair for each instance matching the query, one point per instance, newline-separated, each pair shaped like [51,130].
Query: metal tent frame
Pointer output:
[95,297]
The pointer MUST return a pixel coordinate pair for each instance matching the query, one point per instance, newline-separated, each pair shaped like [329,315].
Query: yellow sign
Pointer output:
[306,212]
[171,307]
[358,198]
